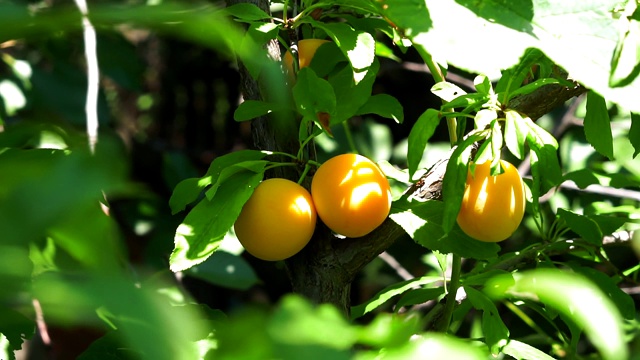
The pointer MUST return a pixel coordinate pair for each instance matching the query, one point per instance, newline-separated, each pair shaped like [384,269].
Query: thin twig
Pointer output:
[403,273]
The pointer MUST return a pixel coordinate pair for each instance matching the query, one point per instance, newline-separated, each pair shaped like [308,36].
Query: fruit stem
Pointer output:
[452,289]
[347,132]
[304,173]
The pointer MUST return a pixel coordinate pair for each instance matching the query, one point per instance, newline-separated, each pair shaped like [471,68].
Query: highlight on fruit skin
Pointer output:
[306,50]
[277,221]
[351,194]
[493,206]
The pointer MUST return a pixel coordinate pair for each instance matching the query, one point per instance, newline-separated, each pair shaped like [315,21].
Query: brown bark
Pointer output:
[324,269]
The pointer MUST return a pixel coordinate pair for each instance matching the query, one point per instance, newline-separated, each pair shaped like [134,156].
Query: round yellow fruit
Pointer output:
[306,50]
[492,206]
[351,194]
[277,221]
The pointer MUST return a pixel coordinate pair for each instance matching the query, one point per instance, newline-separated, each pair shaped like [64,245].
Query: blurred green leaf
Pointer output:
[389,330]
[436,345]
[582,177]
[225,270]
[389,292]
[625,62]
[574,296]
[597,125]
[205,226]
[16,327]
[523,351]
[419,296]
[142,316]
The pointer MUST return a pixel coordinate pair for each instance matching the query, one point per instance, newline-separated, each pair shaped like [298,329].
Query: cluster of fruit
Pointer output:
[349,193]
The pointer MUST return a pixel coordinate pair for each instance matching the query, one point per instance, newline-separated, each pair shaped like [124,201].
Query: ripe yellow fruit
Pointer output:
[351,194]
[306,50]
[277,221]
[492,206]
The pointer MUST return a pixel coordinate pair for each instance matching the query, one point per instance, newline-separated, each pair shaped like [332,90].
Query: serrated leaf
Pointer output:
[496,333]
[597,125]
[524,351]
[515,133]
[226,270]
[250,109]
[420,134]
[205,226]
[383,105]
[634,133]
[313,95]
[583,226]
[576,298]
[389,292]
[247,12]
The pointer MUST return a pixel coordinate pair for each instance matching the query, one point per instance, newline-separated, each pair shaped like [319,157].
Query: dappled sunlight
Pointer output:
[361,193]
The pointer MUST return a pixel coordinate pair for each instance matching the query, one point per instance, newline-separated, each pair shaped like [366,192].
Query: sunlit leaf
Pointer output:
[420,134]
[496,333]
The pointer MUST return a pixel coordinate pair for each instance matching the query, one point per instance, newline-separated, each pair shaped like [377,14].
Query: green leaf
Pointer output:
[357,45]
[531,87]
[313,95]
[597,125]
[351,96]
[15,327]
[447,91]
[188,190]
[246,12]
[496,333]
[389,292]
[576,298]
[419,296]
[422,221]
[524,351]
[420,134]
[582,178]
[513,77]
[583,226]
[625,63]
[205,226]
[389,330]
[634,133]
[545,167]
[226,270]
[383,105]
[515,133]
[250,109]
[483,84]
[256,166]
[455,179]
